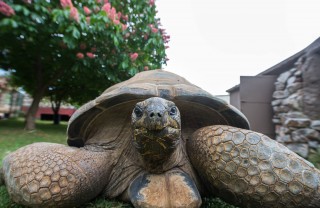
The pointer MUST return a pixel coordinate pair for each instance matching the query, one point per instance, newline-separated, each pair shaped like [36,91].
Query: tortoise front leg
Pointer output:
[249,169]
[54,175]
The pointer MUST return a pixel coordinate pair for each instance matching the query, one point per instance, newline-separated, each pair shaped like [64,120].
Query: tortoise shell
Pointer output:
[106,120]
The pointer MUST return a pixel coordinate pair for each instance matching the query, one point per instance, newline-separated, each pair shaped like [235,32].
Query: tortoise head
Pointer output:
[156,127]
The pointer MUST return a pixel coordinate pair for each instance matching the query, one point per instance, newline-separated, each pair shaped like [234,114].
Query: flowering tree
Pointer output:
[47,43]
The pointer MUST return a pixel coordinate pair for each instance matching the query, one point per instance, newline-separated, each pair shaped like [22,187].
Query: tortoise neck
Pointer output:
[156,152]
[165,161]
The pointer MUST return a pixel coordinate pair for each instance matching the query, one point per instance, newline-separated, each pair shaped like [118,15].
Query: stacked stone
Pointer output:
[293,128]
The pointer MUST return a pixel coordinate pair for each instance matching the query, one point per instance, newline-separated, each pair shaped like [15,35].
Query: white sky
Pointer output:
[214,42]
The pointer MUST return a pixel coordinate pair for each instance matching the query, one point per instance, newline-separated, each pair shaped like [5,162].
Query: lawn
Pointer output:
[12,136]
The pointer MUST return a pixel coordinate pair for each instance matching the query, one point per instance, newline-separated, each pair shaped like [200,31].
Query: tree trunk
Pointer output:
[11,103]
[55,106]
[39,92]
[30,123]
[56,118]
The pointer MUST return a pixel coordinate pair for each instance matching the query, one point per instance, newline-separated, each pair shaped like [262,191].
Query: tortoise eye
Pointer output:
[137,110]
[173,111]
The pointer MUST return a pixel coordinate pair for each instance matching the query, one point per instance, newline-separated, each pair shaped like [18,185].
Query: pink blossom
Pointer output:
[98,1]
[90,55]
[154,30]
[66,3]
[119,14]
[134,56]
[166,38]
[124,26]
[151,2]
[80,55]
[88,20]
[74,14]
[125,17]
[106,7]
[112,13]
[146,68]
[6,10]
[86,10]
[116,22]
[106,1]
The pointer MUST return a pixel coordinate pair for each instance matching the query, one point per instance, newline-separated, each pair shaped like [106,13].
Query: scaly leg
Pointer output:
[249,169]
[55,175]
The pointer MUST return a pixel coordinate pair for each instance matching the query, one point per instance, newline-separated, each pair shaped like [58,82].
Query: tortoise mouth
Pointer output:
[151,133]
[155,144]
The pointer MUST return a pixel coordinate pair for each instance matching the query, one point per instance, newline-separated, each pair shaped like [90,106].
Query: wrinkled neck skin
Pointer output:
[157,149]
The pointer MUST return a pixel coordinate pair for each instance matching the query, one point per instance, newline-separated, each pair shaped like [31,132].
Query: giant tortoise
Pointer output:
[156,140]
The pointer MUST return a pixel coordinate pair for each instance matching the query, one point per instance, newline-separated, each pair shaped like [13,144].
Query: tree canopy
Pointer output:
[83,45]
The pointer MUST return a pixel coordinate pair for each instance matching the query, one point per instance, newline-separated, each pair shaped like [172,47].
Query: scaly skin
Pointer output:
[54,175]
[251,170]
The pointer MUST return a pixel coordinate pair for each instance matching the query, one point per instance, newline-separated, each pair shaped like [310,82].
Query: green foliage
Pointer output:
[314,157]
[46,44]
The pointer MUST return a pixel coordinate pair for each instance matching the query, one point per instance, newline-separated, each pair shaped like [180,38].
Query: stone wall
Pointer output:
[296,106]
[311,86]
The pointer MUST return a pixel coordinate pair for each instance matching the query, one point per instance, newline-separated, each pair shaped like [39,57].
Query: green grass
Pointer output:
[12,136]
[314,157]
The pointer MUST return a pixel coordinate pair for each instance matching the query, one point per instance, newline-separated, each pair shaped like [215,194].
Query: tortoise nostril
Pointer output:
[155,114]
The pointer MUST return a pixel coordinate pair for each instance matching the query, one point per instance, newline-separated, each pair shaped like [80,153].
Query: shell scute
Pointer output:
[106,120]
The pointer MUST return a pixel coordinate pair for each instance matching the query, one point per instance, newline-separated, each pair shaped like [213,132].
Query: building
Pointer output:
[283,101]
[45,111]
[14,103]
[10,99]
[223,97]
